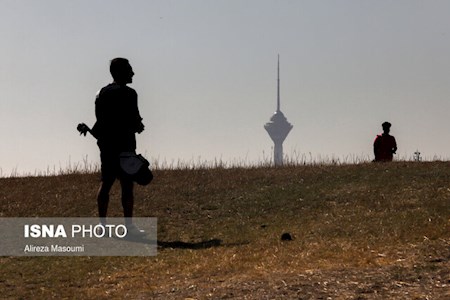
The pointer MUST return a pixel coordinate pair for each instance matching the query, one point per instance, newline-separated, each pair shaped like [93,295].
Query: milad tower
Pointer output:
[278,127]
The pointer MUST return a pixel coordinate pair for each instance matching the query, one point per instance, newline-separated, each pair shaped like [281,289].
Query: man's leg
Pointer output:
[109,165]
[127,204]
[127,199]
[103,199]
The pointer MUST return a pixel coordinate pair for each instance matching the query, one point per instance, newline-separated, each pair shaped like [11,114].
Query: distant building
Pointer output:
[278,127]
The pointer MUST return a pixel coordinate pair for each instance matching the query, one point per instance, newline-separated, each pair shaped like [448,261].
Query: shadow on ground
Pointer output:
[187,245]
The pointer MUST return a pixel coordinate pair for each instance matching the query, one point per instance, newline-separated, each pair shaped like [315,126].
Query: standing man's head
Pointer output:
[386,127]
[121,70]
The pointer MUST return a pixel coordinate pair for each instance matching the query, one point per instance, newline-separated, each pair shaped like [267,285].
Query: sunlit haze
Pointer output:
[206,77]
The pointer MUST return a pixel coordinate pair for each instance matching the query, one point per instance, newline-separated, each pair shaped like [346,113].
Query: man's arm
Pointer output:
[139,126]
[99,115]
[376,147]
[394,146]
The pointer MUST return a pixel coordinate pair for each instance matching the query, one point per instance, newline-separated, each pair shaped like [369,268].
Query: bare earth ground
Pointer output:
[370,231]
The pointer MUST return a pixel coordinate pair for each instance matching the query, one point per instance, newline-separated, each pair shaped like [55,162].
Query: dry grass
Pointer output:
[367,231]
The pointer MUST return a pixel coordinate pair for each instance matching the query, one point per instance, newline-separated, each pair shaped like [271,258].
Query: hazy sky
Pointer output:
[206,76]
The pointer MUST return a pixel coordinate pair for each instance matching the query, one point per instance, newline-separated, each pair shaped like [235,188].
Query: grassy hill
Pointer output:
[367,231]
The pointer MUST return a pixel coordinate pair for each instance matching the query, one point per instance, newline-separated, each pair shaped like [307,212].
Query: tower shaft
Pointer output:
[278,153]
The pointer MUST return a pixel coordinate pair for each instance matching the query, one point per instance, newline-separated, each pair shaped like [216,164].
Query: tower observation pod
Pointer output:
[278,127]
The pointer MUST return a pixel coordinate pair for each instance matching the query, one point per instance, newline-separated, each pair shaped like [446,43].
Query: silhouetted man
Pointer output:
[384,145]
[118,119]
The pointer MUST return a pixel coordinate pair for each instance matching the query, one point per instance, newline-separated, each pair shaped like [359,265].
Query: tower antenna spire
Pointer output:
[278,84]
